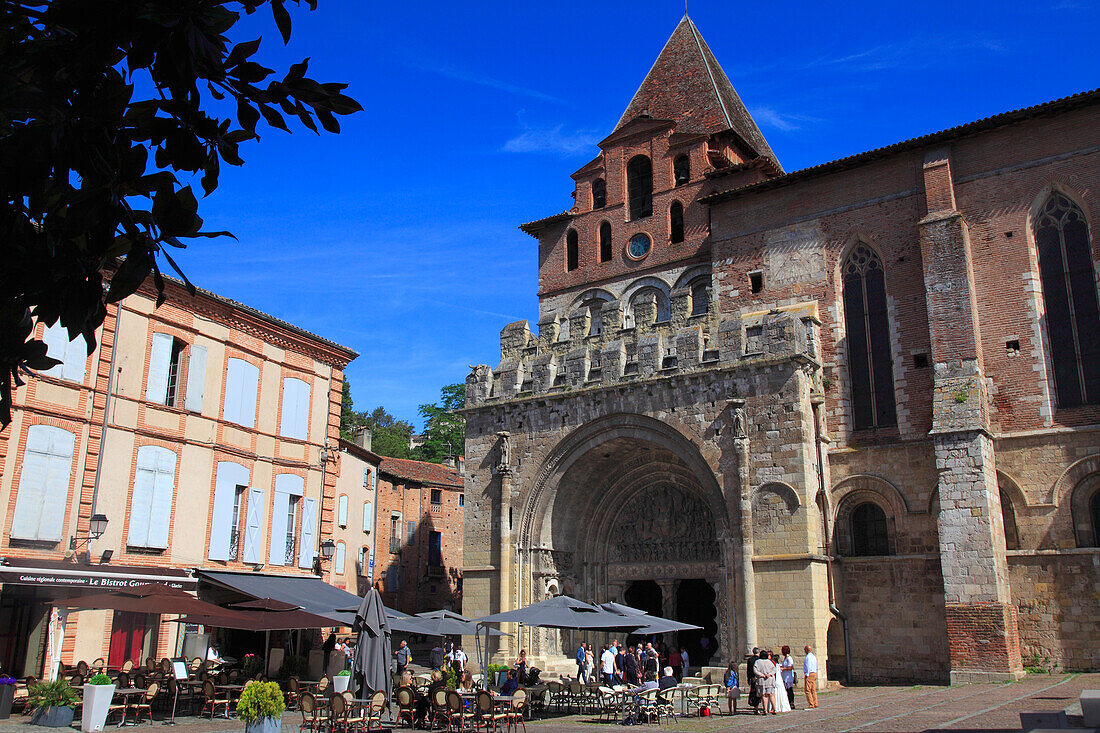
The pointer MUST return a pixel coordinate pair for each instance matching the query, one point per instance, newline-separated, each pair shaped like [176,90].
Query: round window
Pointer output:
[639,246]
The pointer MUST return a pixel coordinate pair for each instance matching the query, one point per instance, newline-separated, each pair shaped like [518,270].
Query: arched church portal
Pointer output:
[631,513]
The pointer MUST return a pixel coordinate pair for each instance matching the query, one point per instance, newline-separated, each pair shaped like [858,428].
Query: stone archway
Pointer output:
[628,500]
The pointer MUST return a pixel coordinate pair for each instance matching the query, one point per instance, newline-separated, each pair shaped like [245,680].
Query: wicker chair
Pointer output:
[312,718]
[375,708]
[457,714]
[82,668]
[292,692]
[438,710]
[341,715]
[406,705]
[513,715]
[146,702]
[212,701]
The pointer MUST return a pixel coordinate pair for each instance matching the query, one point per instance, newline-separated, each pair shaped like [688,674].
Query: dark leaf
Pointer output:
[273,117]
[282,19]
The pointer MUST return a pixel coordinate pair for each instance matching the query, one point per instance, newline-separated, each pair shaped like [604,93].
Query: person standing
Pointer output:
[676,662]
[620,665]
[458,660]
[750,680]
[589,662]
[327,648]
[686,661]
[403,656]
[582,659]
[733,687]
[786,670]
[435,657]
[607,666]
[765,671]
[809,676]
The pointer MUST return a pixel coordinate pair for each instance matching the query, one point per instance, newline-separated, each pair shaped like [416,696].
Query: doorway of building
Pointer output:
[24,619]
[128,638]
[695,599]
[645,595]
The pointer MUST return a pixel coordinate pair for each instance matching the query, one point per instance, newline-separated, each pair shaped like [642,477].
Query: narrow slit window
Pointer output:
[572,250]
[605,242]
[599,193]
[682,170]
[639,180]
[676,222]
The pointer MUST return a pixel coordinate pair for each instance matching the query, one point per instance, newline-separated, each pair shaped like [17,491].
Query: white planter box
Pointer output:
[340,684]
[97,700]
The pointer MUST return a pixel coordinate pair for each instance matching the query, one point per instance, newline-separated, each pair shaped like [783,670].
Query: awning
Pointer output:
[310,594]
[56,573]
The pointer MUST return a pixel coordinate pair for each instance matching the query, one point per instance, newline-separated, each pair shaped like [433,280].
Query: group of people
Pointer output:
[771,681]
[448,654]
[631,665]
[343,648]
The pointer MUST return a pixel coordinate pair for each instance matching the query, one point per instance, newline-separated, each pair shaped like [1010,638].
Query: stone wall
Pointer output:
[1057,597]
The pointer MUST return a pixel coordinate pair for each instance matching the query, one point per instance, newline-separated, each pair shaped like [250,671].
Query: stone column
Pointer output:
[748,575]
[668,597]
[982,629]
[508,570]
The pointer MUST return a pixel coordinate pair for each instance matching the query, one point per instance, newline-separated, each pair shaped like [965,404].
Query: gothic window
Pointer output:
[605,242]
[572,254]
[1008,518]
[676,222]
[870,371]
[1069,295]
[869,536]
[599,193]
[700,297]
[681,170]
[639,183]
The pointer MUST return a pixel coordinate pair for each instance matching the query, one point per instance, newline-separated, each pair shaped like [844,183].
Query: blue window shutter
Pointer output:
[368,517]
[228,477]
[196,378]
[289,483]
[339,560]
[164,487]
[232,410]
[250,382]
[44,484]
[295,417]
[279,508]
[56,339]
[141,505]
[342,511]
[156,386]
[306,533]
[76,359]
[254,527]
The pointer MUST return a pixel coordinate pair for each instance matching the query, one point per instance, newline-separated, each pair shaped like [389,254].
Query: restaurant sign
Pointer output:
[92,578]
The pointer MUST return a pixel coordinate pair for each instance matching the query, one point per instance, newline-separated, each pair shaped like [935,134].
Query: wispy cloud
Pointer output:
[552,140]
[782,121]
[917,52]
[470,77]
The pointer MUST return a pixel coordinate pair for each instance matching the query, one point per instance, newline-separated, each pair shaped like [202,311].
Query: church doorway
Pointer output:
[695,604]
[645,595]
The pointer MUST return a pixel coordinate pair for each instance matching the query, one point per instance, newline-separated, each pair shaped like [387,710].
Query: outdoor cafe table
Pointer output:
[126,693]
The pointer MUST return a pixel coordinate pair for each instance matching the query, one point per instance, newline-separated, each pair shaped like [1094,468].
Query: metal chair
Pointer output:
[212,701]
[291,692]
[456,711]
[312,718]
[484,709]
[438,710]
[123,680]
[146,702]
[513,716]
[340,716]
[375,709]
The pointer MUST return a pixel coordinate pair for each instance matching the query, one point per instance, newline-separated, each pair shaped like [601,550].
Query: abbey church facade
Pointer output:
[855,406]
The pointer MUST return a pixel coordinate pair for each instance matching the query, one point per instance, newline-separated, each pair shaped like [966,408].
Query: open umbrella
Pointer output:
[148,598]
[371,666]
[623,609]
[563,612]
[658,625]
[471,627]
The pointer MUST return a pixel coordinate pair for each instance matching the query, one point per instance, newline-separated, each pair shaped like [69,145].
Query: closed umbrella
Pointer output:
[371,666]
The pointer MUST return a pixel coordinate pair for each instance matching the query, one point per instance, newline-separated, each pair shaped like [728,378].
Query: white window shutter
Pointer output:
[160,356]
[279,507]
[342,511]
[164,486]
[254,527]
[56,339]
[306,533]
[339,560]
[250,382]
[76,359]
[196,378]
[289,483]
[294,422]
[141,505]
[232,398]
[228,477]
[368,517]
[43,484]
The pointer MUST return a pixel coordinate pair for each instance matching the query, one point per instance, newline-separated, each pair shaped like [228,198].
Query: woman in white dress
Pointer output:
[782,704]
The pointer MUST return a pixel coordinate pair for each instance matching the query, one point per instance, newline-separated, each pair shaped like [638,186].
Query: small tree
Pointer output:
[445,434]
[92,96]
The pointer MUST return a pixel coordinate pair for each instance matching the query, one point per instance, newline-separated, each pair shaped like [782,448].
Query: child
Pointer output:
[733,688]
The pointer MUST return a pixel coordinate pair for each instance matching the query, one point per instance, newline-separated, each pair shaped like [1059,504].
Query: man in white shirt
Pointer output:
[607,665]
[458,660]
[809,676]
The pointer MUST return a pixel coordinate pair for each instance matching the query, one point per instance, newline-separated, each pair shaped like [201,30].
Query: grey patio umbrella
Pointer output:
[658,625]
[371,666]
[622,609]
[449,623]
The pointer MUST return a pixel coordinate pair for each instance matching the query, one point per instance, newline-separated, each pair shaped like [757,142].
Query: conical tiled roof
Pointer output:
[687,85]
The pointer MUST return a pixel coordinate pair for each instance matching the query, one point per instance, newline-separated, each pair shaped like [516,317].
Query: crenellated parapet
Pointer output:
[611,353]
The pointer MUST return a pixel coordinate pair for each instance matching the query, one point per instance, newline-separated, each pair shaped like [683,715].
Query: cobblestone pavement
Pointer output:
[991,708]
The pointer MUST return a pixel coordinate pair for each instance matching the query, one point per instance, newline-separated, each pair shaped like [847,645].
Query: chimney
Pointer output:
[462,465]
[363,438]
[448,461]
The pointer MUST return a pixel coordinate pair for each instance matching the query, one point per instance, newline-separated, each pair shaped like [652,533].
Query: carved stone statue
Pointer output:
[504,464]
[739,423]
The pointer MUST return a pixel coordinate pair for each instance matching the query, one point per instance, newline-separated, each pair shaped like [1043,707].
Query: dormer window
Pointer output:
[681,170]
[599,193]
[639,183]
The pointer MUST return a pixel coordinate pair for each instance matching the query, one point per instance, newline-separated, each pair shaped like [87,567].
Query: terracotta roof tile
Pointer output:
[422,472]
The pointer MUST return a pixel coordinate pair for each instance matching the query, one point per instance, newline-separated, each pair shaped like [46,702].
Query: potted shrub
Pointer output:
[261,707]
[341,680]
[99,690]
[7,694]
[53,703]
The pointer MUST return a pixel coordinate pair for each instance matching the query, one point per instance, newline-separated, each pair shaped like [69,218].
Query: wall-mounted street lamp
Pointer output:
[328,549]
[97,525]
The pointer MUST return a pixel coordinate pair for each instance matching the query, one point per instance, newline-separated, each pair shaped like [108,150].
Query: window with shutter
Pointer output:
[196,378]
[160,359]
[222,526]
[72,354]
[43,493]
[254,527]
[368,517]
[339,560]
[242,380]
[306,533]
[295,416]
[342,511]
[279,507]
[151,502]
[288,489]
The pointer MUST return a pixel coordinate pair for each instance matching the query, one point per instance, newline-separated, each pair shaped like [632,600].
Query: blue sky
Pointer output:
[398,237]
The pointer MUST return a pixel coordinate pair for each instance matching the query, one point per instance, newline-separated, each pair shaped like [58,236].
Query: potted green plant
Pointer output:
[7,694]
[261,707]
[99,690]
[496,673]
[53,703]
[341,680]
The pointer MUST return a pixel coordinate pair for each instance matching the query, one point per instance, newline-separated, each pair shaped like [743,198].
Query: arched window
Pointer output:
[605,242]
[639,183]
[572,253]
[700,297]
[599,193]
[1008,519]
[676,222]
[651,295]
[870,371]
[869,535]
[1094,514]
[681,170]
[1069,294]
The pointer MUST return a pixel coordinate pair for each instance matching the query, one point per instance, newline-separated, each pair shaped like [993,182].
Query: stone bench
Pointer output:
[1090,708]
[1036,722]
